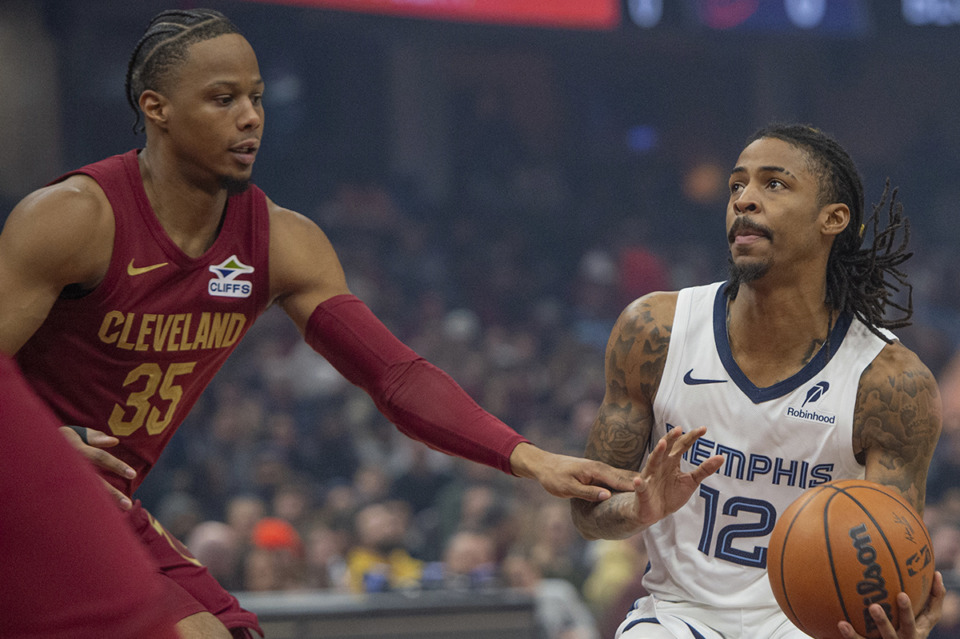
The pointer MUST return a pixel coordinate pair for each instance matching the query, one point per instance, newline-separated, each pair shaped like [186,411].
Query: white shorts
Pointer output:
[687,621]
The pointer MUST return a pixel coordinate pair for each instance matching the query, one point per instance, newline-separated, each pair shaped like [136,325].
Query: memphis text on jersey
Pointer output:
[755,467]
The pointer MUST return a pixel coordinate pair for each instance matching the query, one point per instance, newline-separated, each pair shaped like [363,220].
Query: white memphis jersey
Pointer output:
[778,441]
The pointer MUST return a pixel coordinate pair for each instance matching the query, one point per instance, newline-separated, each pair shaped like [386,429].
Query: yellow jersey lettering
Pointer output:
[217,329]
[125,333]
[108,328]
[146,328]
[160,335]
[203,331]
[175,330]
[235,328]
[185,343]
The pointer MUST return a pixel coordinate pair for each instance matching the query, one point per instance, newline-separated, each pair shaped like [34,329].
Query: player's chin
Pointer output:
[235,184]
[745,268]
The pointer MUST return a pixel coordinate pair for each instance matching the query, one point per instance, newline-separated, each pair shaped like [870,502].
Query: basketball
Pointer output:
[843,546]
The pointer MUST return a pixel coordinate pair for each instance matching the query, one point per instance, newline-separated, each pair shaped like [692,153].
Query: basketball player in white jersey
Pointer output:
[793,372]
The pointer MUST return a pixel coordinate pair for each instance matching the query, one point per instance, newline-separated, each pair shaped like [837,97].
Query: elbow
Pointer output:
[581,519]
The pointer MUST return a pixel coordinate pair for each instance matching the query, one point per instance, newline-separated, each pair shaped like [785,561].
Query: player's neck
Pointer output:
[189,213]
[773,333]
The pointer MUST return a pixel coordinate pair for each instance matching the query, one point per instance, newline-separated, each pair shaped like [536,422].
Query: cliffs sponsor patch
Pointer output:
[227,282]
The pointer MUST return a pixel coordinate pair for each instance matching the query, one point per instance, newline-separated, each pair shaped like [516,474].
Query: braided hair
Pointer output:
[163,48]
[860,281]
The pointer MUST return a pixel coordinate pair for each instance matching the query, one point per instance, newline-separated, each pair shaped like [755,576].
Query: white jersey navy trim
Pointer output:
[804,375]
[778,441]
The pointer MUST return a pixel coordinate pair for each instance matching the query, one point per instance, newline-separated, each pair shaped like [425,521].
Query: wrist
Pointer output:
[526,459]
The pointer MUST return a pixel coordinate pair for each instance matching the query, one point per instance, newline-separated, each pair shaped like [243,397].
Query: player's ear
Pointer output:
[154,107]
[834,218]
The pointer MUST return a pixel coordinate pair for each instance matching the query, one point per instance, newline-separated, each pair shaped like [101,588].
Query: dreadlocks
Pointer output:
[861,281]
[164,46]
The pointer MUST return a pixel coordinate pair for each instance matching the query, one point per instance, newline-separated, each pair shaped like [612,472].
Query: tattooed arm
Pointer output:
[636,353]
[896,425]
[897,422]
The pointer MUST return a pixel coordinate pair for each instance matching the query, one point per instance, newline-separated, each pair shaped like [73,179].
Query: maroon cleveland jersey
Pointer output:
[132,356]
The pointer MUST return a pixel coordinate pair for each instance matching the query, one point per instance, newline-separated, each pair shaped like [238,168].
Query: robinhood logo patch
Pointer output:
[808,410]
[226,284]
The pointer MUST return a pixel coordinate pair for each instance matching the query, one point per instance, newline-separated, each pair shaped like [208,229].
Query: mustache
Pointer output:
[745,223]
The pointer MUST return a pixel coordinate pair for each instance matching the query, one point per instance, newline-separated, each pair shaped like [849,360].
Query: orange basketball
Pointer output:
[843,546]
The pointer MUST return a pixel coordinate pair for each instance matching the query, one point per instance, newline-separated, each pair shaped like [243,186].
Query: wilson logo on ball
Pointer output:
[873,586]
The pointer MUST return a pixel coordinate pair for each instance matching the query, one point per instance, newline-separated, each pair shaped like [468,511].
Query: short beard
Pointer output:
[744,274]
[234,186]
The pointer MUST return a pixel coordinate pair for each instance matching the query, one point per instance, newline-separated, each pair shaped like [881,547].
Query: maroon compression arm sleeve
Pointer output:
[420,399]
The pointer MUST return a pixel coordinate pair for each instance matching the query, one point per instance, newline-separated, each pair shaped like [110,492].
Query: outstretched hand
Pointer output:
[90,444]
[910,628]
[661,488]
[570,477]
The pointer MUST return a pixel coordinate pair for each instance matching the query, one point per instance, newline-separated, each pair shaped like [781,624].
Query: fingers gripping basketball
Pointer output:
[843,546]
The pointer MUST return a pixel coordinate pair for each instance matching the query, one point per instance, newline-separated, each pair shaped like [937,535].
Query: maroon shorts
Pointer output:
[190,588]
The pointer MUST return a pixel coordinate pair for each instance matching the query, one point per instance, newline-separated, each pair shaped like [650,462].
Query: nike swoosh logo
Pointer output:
[690,380]
[140,270]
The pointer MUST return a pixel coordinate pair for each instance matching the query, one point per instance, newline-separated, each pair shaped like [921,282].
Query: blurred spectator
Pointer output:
[379,561]
[469,561]
[179,513]
[555,546]
[215,545]
[275,559]
[614,582]
[242,514]
[293,501]
[371,484]
[325,555]
[560,610]
[595,298]
[426,474]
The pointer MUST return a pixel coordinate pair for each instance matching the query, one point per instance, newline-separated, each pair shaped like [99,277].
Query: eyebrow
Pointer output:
[258,81]
[764,169]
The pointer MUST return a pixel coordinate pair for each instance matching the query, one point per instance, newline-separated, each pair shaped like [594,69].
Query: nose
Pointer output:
[745,201]
[251,115]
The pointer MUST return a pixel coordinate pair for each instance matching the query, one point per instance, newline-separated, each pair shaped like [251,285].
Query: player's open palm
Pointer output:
[663,487]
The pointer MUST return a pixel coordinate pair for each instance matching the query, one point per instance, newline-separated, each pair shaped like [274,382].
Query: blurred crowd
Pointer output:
[285,477]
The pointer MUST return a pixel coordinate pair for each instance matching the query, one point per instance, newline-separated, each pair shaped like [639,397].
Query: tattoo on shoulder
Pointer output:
[651,337]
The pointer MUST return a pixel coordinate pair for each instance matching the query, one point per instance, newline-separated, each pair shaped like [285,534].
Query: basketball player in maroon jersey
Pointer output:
[127,283]
[71,568]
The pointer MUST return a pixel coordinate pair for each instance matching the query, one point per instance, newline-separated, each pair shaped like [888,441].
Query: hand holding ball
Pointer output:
[843,546]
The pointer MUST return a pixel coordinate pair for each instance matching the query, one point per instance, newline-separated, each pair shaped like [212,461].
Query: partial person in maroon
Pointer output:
[127,283]
[71,567]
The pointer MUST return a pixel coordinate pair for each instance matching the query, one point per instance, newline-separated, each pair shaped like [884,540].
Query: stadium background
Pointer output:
[498,185]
